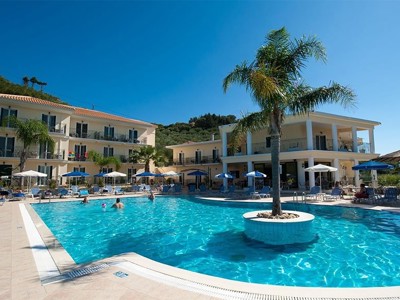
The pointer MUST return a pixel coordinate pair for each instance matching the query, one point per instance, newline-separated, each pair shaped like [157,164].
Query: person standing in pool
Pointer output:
[151,196]
[118,204]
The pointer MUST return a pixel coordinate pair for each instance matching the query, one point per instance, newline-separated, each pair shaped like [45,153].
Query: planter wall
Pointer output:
[279,231]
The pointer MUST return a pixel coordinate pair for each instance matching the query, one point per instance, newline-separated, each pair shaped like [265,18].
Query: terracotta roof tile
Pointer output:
[35,100]
[98,114]
[77,110]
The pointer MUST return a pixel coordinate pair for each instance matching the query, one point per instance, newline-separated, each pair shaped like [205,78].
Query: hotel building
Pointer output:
[76,131]
[306,140]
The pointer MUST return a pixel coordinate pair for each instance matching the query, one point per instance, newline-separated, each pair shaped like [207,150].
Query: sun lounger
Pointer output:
[265,192]
[335,195]
[312,195]
[83,193]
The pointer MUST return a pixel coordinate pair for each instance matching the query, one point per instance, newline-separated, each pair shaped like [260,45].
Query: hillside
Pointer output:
[7,87]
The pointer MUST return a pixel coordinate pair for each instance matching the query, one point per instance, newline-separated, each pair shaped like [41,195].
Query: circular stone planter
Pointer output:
[279,231]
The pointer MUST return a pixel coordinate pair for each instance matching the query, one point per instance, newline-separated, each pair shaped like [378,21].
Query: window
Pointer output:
[215,155]
[44,151]
[268,142]
[5,114]
[47,170]
[80,169]
[320,142]
[181,158]
[108,151]
[106,170]
[198,157]
[50,121]
[108,132]
[131,172]
[80,152]
[7,146]
[82,130]
[133,136]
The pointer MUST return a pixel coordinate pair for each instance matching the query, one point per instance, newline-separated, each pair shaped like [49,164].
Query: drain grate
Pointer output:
[75,274]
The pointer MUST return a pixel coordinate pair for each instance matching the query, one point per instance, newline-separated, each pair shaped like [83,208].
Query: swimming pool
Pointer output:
[352,247]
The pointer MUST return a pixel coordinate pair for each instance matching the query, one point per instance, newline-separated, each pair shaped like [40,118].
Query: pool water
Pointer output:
[352,247]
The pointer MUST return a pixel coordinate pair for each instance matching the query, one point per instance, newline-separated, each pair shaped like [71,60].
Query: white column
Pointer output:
[334,138]
[354,136]
[356,174]
[249,143]
[374,178]
[371,140]
[301,178]
[309,135]
[311,177]
[224,144]
[249,169]
[337,166]
[225,170]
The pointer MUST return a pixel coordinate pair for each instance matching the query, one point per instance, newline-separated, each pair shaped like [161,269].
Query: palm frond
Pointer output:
[335,93]
[240,74]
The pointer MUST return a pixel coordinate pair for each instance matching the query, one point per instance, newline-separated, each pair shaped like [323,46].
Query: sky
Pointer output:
[164,61]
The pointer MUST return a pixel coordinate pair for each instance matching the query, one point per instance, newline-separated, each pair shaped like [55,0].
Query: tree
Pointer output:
[33,80]
[274,82]
[101,161]
[146,154]
[25,80]
[30,133]
[42,84]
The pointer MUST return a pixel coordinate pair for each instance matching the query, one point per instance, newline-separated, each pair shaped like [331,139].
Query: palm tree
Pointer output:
[25,80]
[101,161]
[274,82]
[146,154]
[33,80]
[30,133]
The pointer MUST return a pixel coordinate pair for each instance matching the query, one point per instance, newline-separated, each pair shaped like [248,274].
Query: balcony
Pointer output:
[301,145]
[31,154]
[97,135]
[193,161]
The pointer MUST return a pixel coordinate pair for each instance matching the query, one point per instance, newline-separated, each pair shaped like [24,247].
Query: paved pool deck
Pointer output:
[33,265]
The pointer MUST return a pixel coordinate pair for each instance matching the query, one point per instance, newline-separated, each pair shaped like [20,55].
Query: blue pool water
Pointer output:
[352,247]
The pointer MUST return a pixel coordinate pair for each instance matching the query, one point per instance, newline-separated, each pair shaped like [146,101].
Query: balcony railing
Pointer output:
[301,145]
[98,135]
[193,161]
[32,154]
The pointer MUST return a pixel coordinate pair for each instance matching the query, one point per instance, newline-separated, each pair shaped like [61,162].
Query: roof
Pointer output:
[77,110]
[29,99]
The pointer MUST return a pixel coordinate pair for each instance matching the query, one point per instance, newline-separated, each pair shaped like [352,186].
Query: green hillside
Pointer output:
[7,87]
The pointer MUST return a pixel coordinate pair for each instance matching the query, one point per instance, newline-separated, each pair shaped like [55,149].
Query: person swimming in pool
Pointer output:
[118,204]
[85,200]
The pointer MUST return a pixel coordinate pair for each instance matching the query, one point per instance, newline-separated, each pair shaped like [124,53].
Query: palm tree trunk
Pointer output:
[275,129]
[276,181]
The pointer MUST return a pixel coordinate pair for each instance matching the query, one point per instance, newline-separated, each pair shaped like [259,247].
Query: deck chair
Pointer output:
[118,191]
[192,188]
[265,191]
[17,196]
[312,195]
[203,188]
[35,191]
[165,188]
[2,200]
[252,193]
[74,190]
[63,192]
[107,189]
[177,188]
[83,193]
[231,189]
[390,196]
[334,195]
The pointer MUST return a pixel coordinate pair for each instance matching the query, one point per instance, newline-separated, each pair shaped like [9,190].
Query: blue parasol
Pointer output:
[372,165]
